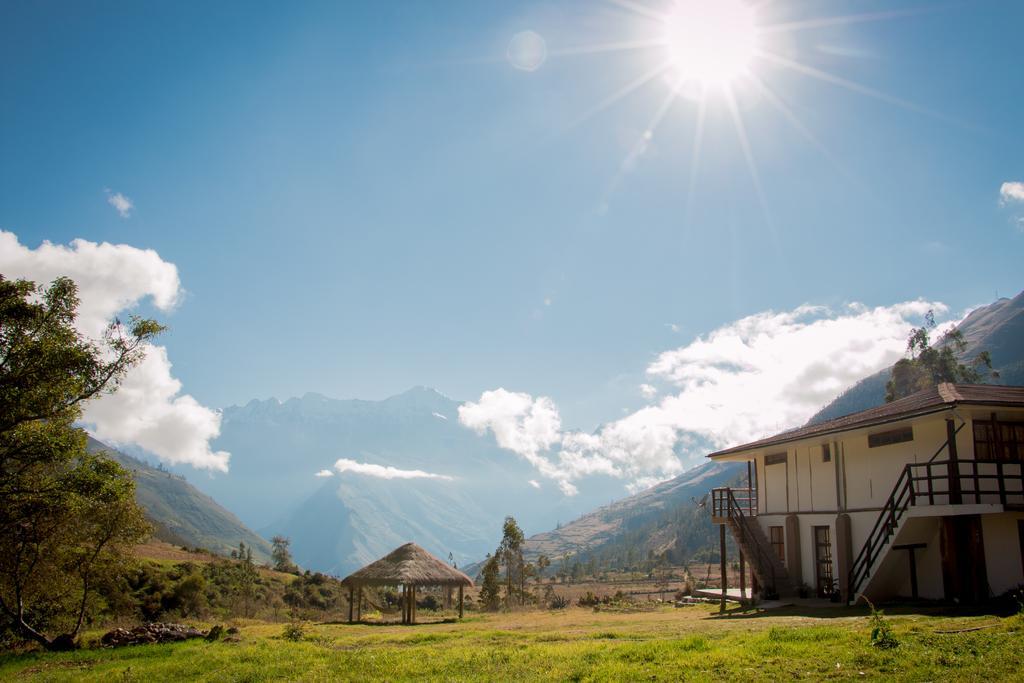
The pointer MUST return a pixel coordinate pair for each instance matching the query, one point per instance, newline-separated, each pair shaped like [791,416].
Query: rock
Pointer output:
[150,633]
[233,630]
[215,633]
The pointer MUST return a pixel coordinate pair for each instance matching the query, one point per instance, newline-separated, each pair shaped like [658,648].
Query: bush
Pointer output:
[558,602]
[588,599]
[429,602]
[294,632]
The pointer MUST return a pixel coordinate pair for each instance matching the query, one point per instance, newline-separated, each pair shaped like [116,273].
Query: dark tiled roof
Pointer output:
[923,402]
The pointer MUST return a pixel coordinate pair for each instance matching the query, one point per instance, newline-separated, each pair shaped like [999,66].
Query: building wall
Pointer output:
[1002,551]
[859,481]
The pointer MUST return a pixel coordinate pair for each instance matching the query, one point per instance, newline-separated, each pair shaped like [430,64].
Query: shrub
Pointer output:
[588,599]
[558,602]
[294,632]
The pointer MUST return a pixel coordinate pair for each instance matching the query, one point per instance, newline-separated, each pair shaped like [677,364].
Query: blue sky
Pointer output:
[362,197]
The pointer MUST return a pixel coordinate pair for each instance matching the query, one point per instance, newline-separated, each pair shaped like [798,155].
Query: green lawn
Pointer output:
[691,643]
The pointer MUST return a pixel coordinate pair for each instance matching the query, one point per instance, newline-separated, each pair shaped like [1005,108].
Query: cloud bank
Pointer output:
[148,410]
[383,472]
[756,376]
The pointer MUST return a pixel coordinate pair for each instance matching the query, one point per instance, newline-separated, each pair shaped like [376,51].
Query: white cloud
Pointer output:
[756,376]
[1011,191]
[648,391]
[534,483]
[123,205]
[385,472]
[324,473]
[520,423]
[772,371]
[147,410]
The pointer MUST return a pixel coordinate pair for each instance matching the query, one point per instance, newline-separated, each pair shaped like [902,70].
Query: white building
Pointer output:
[922,497]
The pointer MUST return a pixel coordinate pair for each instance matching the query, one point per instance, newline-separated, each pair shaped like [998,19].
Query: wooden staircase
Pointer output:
[738,512]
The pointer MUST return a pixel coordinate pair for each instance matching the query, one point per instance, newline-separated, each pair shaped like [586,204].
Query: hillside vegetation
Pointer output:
[665,521]
[180,513]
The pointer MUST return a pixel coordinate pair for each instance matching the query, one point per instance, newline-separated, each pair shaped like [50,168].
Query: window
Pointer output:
[777,537]
[775,459]
[901,435]
[994,440]
[823,561]
[826,452]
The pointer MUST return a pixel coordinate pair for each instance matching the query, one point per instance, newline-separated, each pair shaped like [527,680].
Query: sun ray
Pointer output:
[640,9]
[641,145]
[635,84]
[623,46]
[823,22]
[698,141]
[741,132]
[780,104]
[853,86]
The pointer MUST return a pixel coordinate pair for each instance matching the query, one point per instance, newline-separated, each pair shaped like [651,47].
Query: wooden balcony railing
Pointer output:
[946,482]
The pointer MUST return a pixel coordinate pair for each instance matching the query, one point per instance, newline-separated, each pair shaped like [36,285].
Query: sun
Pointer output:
[710,42]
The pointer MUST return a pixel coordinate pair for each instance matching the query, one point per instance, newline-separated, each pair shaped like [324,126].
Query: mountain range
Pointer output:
[339,522]
[342,519]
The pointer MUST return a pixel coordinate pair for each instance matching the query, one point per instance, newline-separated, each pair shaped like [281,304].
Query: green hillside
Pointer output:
[181,514]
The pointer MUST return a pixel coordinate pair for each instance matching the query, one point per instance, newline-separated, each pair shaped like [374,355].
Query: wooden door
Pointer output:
[823,561]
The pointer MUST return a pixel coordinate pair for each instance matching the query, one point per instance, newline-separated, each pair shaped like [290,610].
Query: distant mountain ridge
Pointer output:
[997,328]
[337,523]
[181,514]
[664,519]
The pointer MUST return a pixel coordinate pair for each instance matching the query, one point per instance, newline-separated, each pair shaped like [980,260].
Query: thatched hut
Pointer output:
[408,566]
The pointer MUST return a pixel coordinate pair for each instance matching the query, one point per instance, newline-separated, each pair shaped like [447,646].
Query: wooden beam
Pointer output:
[955,497]
[724,567]
[460,601]
[359,603]
[351,592]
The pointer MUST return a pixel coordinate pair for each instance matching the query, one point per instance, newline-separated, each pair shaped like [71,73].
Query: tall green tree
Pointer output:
[511,553]
[929,365]
[68,518]
[282,555]
[490,588]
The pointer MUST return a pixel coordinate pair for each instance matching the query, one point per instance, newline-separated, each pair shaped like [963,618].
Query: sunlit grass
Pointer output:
[690,643]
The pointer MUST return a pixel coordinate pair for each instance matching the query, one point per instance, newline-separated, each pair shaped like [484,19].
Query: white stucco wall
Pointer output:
[1002,551]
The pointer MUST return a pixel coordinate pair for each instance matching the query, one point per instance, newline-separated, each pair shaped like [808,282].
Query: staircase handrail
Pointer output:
[764,560]
[901,498]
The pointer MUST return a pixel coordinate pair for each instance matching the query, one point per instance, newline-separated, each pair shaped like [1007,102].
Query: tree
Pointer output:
[542,563]
[490,588]
[68,518]
[511,553]
[281,555]
[930,365]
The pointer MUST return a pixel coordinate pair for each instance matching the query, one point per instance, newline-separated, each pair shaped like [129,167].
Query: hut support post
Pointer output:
[412,604]
[460,601]
[350,595]
[405,604]
[359,604]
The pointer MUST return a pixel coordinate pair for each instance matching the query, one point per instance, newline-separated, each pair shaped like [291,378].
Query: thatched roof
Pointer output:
[410,565]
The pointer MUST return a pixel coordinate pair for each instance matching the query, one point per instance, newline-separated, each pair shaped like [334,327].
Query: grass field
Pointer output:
[690,643]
